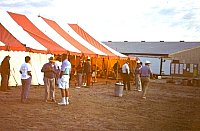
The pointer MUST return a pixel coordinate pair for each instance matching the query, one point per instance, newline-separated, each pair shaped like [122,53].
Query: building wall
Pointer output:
[188,56]
[155,65]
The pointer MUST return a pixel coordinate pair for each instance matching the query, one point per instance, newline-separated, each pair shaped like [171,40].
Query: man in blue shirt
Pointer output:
[145,77]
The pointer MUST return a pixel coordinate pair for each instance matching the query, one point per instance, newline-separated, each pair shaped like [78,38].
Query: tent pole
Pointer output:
[75,73]
[117,75]
[12,72]
[95,78]
[13,75]
[35,71]
[107,72]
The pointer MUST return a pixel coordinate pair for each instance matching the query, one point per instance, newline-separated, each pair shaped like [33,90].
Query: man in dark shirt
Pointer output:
[116,68]
[79,70]
[88,71]
[5,73]
[50,72]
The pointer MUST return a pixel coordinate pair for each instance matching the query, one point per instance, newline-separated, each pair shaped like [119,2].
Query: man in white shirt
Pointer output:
[64,80]
[26,78]
[126,75]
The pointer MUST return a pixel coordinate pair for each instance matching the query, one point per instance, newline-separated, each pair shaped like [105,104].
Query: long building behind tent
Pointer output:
[162,54]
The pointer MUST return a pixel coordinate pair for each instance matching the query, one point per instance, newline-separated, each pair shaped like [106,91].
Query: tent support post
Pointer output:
[107,72]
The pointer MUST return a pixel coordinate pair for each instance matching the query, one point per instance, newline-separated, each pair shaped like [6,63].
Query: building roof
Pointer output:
[151,48]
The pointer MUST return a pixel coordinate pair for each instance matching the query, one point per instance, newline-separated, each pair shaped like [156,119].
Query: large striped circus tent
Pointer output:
[40,38]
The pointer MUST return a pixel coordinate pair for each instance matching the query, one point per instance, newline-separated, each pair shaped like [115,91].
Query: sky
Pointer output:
[120,20]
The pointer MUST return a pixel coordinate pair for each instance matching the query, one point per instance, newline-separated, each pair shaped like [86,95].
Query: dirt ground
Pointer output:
[168,107]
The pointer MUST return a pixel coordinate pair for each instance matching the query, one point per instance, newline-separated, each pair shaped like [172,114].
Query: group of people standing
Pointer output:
[84,73]
[26,77]
[53,75]
[60,75]
[142,76]
[57,75]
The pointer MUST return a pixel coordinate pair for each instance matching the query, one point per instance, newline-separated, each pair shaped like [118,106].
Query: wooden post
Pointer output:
[161,61]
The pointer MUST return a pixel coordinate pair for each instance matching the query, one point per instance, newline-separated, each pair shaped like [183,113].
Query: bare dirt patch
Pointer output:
[167,107]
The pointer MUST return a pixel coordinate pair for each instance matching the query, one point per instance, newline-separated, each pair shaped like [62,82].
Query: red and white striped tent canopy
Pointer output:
[39,34]
[39,37]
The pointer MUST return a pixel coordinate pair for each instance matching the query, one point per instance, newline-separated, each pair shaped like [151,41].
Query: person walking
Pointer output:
[145,72]
[126,75]
[64,80]
[79,70]
[5,73]
[26,78]
[138,83]
[50,73]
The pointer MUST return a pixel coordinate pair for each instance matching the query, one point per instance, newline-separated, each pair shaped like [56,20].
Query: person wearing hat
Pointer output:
[50,73]
[145,72]
[5,73]
[126,75]
[138,84]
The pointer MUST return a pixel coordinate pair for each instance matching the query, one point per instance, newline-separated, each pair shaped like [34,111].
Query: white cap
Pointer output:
[138,61]
[147,62]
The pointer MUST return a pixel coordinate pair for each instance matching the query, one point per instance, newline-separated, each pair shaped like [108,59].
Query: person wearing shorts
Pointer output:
[64,80]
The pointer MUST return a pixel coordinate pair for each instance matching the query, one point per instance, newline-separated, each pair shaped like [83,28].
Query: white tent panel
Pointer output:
[37,61]
[18,32]
[17,59]
[51,33]
[73,34]
[2,44]
[112,50]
